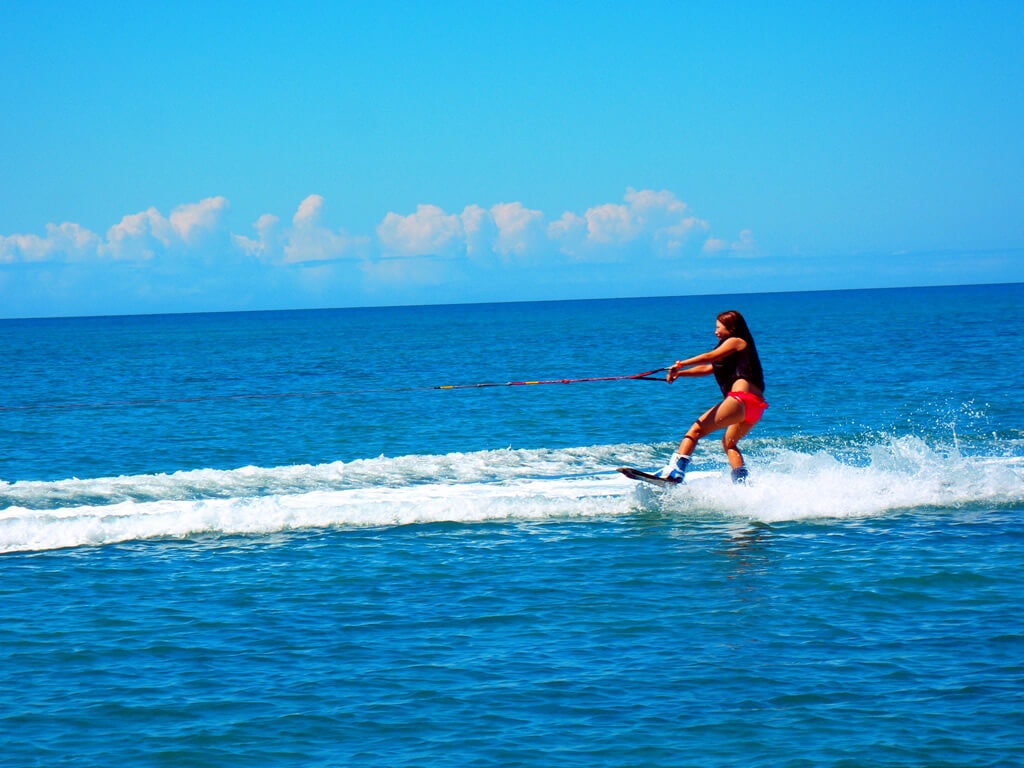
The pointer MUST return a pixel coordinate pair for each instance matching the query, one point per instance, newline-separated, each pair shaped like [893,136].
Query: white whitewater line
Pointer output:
[536,484]
[33,530]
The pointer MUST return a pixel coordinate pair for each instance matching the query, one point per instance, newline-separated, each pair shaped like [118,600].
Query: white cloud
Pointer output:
[657,209]
[73,239]
[308,240]
[480,231]
[611,224]
[506,229]
[309,212]
[655,220]
[570,225]
[570,232]
[143,235]
[67,240]
[137,235]
[658,218]
[428,232]
[744,245]
[477,245]
[267,241]
[520,229]
[192,220]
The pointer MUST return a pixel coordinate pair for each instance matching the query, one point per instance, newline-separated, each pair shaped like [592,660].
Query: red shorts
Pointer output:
[755,406]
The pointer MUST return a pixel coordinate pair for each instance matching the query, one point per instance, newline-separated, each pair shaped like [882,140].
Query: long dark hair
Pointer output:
[736,325]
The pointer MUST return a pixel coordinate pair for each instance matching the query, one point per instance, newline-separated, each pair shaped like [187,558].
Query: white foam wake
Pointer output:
[899,475]
[787,484]
[23,529]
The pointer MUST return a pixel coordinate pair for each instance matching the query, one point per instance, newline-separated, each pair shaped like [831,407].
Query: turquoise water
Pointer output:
[267,539]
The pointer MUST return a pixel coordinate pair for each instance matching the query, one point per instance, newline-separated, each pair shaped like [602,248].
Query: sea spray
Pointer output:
[786,485]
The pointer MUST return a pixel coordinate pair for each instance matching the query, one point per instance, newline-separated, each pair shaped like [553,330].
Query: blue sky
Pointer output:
[174,157]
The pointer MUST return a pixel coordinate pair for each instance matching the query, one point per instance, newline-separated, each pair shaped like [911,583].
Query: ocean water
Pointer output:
[276,539]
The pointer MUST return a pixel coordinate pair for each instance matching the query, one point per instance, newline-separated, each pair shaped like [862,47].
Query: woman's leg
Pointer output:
[730,441]
[728,413]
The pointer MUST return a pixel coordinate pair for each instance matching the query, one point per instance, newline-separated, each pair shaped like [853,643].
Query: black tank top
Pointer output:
[744,364]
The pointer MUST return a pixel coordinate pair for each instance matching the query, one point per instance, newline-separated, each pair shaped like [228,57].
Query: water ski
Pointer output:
[647,477]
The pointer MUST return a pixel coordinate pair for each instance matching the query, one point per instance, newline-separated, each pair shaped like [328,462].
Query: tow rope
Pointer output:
[645,376]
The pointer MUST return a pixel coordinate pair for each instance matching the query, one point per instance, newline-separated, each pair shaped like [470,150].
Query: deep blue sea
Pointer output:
[274,539]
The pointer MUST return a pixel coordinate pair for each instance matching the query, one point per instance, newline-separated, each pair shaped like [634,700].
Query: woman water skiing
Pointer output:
[737,369]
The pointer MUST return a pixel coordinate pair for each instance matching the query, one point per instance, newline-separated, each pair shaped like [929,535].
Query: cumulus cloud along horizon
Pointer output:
[647,221]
